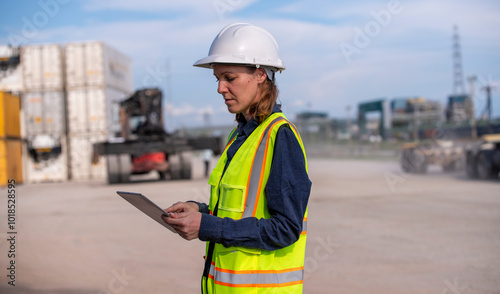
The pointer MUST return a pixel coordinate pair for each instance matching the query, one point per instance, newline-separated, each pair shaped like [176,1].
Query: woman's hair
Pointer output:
[263,108]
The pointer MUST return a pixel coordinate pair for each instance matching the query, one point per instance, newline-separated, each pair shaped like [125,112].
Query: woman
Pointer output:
[255,223]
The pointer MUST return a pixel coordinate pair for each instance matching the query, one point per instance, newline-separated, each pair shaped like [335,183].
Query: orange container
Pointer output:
[10,126]
[11,166]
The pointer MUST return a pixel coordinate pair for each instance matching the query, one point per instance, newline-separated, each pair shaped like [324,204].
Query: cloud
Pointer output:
[199,9]
[189,114]
[412,55]
[332,12]
[146,5]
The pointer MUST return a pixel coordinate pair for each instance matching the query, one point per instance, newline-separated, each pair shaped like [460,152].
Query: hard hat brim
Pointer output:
[208,62]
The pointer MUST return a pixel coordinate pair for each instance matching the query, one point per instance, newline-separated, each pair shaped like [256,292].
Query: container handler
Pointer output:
[143,144]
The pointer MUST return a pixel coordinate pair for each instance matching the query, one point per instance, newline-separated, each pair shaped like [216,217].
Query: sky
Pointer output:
[337,53]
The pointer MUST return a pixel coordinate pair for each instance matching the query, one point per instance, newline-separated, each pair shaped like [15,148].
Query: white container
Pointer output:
[94,110]
[12,80]
[80,158]
[52,168]
[95,64]
[43,112]
[42,67]
[11,72]
[7,51]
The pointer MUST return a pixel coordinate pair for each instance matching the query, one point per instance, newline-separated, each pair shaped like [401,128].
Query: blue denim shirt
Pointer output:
[287,190]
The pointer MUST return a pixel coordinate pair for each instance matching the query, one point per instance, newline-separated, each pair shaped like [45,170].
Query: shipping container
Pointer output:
[11,80]
[8,50]
[80,158]
[42,67]
[94,110]
[10,125]
[95,64]
[46,158]
[44,112]
[10,161]
[10,69]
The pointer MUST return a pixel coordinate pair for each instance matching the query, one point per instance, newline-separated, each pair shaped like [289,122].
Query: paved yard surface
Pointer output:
[371,230]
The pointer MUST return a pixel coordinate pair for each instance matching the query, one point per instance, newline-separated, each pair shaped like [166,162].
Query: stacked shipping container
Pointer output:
[10,71]
[70,101]
[10,140]
[97,79]
[13,81]
[10,126]
[44,113]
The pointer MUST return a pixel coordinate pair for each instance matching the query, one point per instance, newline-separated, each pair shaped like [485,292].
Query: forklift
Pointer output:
[143,144]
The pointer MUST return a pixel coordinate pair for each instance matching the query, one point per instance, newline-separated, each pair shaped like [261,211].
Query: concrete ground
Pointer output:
[371,229]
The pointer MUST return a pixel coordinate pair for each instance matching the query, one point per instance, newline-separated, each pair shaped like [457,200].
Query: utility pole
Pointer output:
[470,106]
[488,89]
[458,78]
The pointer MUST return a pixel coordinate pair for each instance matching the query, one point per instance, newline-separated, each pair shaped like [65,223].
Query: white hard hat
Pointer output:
[245,44]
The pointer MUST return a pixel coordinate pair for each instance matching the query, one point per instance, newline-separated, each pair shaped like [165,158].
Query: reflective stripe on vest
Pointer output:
[232,136]
[257,278]
[257,172]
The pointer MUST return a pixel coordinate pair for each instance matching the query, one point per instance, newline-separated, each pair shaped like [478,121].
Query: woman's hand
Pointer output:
[185,219]
[183,207]
[186,224]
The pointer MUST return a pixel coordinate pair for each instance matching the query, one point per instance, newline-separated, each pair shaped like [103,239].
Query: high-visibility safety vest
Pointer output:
[238,192]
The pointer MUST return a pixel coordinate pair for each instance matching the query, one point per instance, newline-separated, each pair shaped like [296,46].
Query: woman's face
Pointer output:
[239,86]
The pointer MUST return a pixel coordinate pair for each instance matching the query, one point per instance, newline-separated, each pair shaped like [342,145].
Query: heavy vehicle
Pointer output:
[416,157]
[143,145]
[483,158]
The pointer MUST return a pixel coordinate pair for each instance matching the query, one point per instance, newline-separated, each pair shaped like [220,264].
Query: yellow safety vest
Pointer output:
[239,193]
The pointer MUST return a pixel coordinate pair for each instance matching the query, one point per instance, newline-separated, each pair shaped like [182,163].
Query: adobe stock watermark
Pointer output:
[200,194]
[413,161]
[453,288]
[222,7]
[321,253]
[372,29]
[30,27]
[393,179]
[118,282]
[156,75]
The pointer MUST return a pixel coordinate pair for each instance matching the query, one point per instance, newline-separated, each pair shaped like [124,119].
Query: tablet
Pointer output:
[147,206]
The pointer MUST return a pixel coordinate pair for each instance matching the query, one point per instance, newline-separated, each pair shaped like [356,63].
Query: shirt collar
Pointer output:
[246,128]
